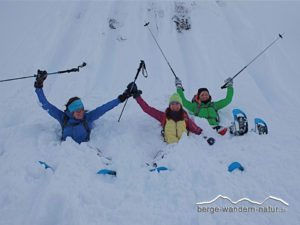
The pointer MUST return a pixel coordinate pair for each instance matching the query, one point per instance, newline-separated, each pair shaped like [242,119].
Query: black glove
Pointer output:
[41,76]
[133,90]
[211,141]
[124,96]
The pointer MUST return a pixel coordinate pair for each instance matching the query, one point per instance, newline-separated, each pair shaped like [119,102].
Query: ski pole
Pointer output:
[58,72]
[142,67]
[146,25]
[279,37]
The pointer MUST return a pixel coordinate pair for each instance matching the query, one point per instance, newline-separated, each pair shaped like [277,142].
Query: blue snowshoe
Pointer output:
[260,126]
[239,126]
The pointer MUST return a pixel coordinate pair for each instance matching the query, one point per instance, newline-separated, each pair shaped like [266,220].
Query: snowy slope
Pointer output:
[225,36]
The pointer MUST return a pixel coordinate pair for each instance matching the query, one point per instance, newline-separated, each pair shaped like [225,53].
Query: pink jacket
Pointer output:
[159,115]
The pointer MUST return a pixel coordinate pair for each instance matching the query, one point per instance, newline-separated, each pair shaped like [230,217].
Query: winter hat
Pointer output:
[201,90]
[175,98]
[77,104]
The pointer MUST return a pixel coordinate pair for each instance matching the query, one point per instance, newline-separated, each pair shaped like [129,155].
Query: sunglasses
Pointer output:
[79,110]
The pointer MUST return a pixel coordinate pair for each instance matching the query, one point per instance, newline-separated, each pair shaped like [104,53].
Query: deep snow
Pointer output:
[225,36]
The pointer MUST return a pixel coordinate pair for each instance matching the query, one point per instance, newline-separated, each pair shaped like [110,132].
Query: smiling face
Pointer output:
[204,96]
[175,106]
[78,114]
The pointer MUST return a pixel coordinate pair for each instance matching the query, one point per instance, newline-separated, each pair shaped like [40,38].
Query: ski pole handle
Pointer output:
[223,86]
[142,67]
[70,70]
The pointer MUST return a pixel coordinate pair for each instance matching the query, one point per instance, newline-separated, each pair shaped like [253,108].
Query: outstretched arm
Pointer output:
[193,127]
[187,104]
[98,112]
[156,114]
[226,101]
[51,109]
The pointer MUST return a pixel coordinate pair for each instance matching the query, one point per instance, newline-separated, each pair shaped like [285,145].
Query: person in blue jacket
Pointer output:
[75,121]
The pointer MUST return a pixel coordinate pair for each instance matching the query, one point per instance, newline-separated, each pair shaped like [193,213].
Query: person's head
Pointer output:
[203,95]
[175,102]
[175,108]
[75,106]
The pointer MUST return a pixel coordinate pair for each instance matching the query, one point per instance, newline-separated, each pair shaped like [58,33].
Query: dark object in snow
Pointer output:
[114,24]
[182,23]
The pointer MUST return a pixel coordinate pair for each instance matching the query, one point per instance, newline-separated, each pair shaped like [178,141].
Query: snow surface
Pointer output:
[225,36]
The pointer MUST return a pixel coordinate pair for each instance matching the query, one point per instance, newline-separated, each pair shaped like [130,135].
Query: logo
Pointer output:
[206,206]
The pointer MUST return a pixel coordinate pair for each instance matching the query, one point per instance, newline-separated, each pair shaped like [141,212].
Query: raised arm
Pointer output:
[187,104]
[51,109]
[226,101]
[98,112]
[156,114]
[193,127]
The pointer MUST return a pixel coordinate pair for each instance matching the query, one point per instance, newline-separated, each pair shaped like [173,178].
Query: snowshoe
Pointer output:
[240,125]
[260,126]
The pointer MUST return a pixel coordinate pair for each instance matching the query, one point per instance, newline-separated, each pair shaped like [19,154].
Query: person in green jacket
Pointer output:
[203,106]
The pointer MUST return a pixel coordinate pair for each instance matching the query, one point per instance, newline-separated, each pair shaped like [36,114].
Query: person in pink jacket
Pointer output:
[174,119]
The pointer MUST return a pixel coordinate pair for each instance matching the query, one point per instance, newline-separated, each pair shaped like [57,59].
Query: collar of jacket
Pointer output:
[206,102]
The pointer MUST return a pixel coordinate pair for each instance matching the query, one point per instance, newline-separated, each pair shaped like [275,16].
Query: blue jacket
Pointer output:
[78,132]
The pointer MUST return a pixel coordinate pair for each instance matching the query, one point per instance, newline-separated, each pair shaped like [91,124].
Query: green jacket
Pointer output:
[209,110]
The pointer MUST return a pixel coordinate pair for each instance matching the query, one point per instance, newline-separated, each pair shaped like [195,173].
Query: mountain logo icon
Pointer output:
[243,199]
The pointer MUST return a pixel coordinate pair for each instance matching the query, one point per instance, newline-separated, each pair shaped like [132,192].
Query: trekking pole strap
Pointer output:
[142,67]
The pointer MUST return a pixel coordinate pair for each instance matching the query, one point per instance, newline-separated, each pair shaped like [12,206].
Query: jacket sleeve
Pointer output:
[193,127]
[51,109]
[187,104]
[98,112]
[226,101]
[156,114]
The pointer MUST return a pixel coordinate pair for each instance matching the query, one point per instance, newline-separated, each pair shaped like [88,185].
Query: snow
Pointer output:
[224,37]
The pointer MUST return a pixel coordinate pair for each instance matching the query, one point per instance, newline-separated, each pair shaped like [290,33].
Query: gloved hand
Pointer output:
[211,141]
[124,96]
[178,83]
[41,76]
[228,82]
[133,90]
